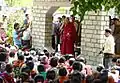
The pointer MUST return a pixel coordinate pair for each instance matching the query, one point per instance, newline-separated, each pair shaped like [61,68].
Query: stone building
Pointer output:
[92,36]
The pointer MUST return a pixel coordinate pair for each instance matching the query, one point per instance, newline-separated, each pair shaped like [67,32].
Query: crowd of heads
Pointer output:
[40,66]
[66,19]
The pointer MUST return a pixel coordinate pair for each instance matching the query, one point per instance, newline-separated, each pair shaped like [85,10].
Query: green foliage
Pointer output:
[80,7]
[9,32]
[10,29]
[19,3]
[14,17]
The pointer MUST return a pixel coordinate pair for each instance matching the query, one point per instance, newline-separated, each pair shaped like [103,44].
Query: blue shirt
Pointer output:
[15,39]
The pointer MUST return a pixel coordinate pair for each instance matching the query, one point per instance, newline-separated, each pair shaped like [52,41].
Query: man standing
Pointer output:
[108,49]
[72,19]
[17,34]
[56,33]
[26,38]
[115,26]
[27,19]
[68,38]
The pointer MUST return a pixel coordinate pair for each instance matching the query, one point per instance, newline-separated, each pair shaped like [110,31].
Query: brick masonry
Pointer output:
[42,21]
[42,25]
[92,38]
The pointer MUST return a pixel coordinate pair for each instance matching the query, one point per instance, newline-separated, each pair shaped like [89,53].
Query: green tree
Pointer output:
[80,7]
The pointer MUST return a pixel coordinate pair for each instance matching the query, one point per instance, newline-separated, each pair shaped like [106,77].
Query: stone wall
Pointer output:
[42,21]
[42,25]
[38,25]
[92,37]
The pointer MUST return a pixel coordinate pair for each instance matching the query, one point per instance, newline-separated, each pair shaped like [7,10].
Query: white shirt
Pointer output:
[114,75]
[26,34]
[109,45]
[11,59]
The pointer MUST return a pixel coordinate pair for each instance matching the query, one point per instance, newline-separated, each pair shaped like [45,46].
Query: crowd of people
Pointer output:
[40,66]
[21,36]
[22,63]
[64,33]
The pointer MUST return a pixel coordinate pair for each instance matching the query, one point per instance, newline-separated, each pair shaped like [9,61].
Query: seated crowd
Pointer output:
[40,66]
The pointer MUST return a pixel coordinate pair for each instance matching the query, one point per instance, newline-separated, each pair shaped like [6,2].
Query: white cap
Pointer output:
[101,65]
[72,59]
[70,55]
[32,52]
[42,53]
[118,60]
[108,29]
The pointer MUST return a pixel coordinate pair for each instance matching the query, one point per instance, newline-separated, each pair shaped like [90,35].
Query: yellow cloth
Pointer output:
[10,40]
[0,41]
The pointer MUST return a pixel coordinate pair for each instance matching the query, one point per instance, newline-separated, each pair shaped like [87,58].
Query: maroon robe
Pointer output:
[68,39]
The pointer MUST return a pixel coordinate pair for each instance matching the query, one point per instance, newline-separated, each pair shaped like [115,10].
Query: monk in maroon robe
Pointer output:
[68,38]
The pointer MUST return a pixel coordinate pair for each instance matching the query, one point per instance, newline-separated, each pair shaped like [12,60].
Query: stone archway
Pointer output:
[42,22]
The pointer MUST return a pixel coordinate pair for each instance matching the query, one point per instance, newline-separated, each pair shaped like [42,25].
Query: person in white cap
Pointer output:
[108,49]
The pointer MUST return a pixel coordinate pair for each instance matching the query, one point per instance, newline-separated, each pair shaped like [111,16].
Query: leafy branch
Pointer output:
[80,7]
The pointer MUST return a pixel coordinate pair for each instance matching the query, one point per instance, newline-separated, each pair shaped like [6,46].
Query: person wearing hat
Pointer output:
[108,49]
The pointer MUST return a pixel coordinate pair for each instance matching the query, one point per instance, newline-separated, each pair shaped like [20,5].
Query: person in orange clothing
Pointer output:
[62,75]
[110,79]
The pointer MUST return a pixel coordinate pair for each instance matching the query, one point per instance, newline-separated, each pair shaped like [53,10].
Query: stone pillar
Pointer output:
[42,25]
[92,37]
[42,20]
[48,25]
